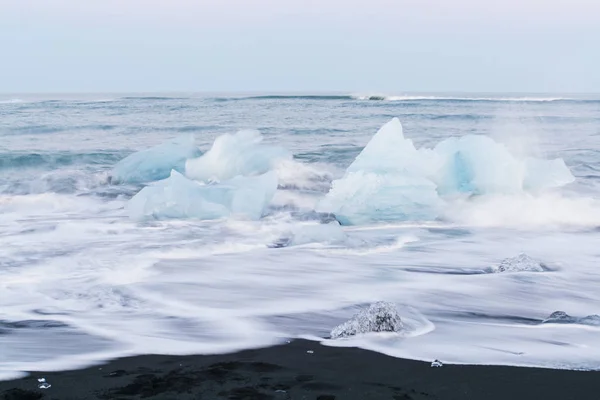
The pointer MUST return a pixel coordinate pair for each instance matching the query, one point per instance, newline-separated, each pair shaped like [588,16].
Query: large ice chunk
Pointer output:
[541,174]
[393,180]
[476,165]
[180,197]
[379,317]
[520,263]
[233,155]
[156,162]
[386,181]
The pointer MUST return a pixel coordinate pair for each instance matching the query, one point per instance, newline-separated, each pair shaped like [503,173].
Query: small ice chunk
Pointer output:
[43,384]
[41,379]
[561,317]
[593,320]
[379,317]
[310,351]
[180,197]
[155,163]
[520,263]
[436,364]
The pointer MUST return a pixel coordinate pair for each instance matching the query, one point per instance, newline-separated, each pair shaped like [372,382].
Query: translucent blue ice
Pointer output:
[180,197]
[392,180]
[232,155]
[156,162]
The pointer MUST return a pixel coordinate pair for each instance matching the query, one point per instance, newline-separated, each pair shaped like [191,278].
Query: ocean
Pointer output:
[86,274]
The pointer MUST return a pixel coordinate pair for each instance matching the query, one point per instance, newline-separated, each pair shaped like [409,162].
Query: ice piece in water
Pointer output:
[541,174]
[180,197]
[561,317]
[477,165]
[361,197]
[590,320]
[386,181]
[520,263]
[392,180]
[436,364]
[156,162]
[379,317]
[233,155]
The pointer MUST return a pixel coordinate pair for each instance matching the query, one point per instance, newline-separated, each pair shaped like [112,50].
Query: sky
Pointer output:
[383,46]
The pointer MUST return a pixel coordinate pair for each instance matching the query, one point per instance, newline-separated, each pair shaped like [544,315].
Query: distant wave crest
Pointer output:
[409,98]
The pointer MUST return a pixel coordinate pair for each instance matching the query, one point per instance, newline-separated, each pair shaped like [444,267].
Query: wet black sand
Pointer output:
[302,370]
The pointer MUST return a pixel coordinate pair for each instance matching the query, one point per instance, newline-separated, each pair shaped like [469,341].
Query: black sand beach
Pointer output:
[301,370]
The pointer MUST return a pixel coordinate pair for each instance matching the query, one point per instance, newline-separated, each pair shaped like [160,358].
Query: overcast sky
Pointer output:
[391,46]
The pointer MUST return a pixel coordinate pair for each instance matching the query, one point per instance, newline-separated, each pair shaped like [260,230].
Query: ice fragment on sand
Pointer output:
[561,317]
[233,155]
[155,163]
[179,197]
[436,364]
[379,317]
[43,384]
[520,263]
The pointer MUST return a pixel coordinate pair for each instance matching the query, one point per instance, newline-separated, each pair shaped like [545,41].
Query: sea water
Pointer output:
[182,224]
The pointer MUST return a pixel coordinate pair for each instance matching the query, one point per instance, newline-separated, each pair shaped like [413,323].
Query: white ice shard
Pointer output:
[180,197]
[393,180]
[156,162]
[520,263]
[379,317]
[233,155]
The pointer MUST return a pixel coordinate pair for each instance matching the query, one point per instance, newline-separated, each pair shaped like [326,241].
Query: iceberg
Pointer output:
[154,163]
[233,155]
[180,197]
[379,317]
[392,180]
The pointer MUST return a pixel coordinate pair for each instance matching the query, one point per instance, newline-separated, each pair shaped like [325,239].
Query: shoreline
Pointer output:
[301,369]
